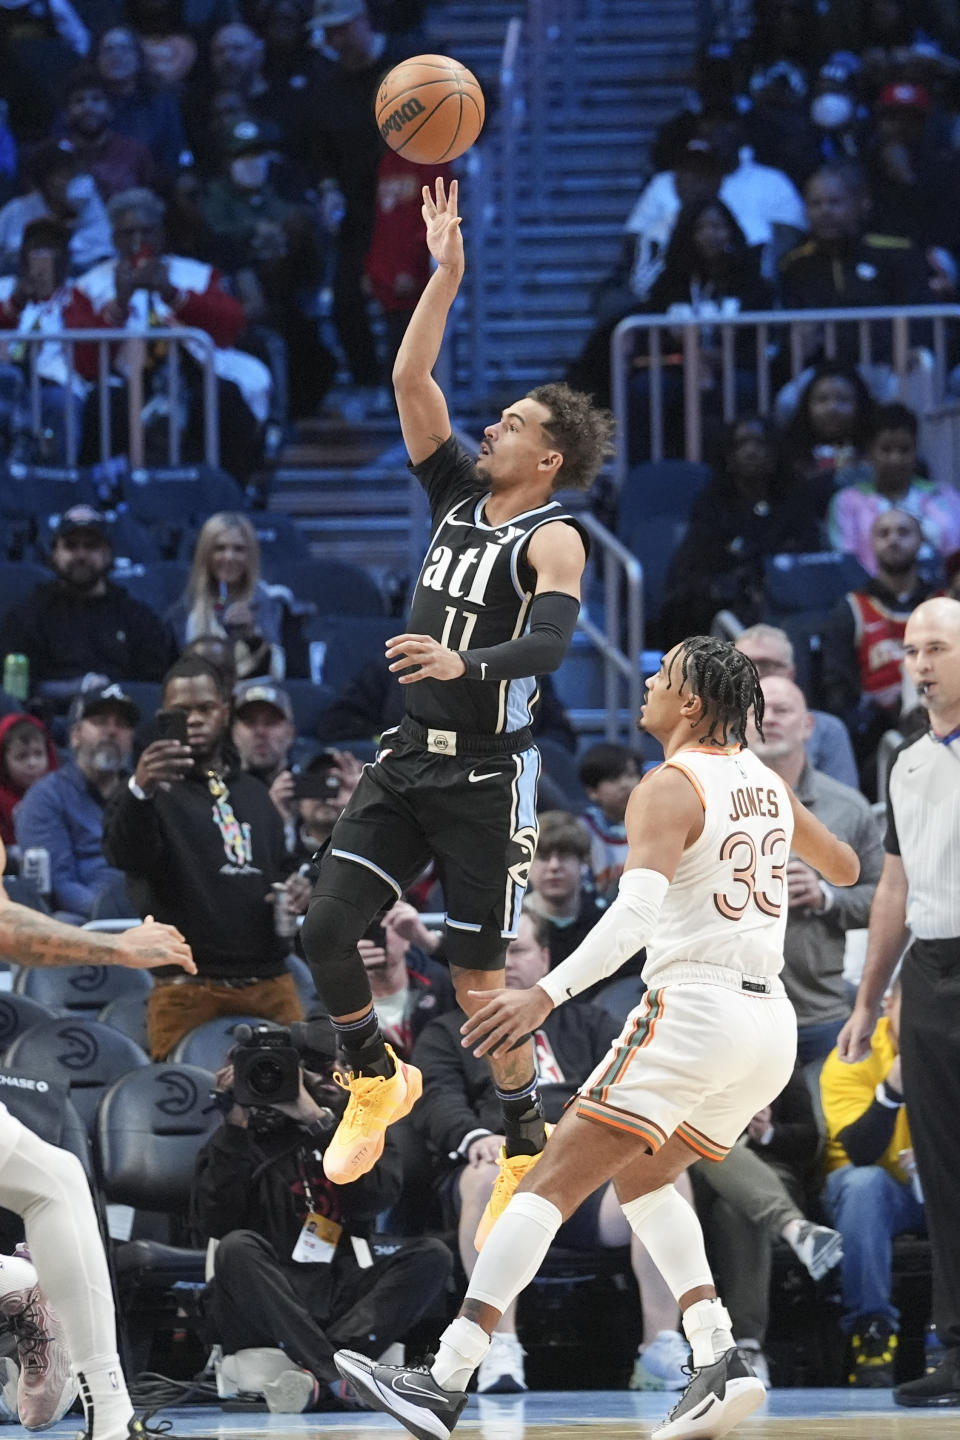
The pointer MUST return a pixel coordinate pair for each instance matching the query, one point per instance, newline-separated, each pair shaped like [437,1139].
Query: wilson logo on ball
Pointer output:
[395,122]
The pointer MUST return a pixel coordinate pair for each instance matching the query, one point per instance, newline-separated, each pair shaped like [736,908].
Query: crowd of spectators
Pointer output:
[219,170]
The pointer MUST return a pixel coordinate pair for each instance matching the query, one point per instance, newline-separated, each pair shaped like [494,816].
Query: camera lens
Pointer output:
[266,1077]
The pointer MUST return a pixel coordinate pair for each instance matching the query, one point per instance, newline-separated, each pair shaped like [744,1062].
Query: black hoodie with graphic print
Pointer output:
[202,855]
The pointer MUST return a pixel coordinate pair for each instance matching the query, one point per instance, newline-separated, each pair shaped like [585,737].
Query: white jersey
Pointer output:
[727,903]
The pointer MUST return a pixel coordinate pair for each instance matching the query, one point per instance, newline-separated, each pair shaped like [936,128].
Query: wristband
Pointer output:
[135,790]
[889,1098]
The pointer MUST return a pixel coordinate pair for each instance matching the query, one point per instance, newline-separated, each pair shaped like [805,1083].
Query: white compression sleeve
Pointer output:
[619,933]
[514,1250]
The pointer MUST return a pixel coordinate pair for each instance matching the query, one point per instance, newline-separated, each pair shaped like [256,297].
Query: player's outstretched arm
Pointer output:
[838,862]
[28,937]
[664,816]
[424,419]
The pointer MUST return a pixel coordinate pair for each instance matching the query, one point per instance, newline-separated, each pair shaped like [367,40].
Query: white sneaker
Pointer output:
[291,1393]
[660,1365]
[819,1248]
[750,1352]
[501,1369]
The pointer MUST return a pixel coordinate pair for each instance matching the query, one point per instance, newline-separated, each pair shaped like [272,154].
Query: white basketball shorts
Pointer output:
[699,1060]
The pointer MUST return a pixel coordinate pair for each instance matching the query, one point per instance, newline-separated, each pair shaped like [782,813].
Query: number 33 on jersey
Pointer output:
[727,904]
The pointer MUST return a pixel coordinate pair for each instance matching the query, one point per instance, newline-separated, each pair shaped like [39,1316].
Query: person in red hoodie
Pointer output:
[398,261]
[26,754]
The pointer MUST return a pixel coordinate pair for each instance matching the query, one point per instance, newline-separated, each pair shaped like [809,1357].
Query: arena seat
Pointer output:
[208,1044]
[18,1013]
[658,488]
[83,1054]
[150,1126]
[281,542]
[128,1014]
[340,645]
[308,701]
[335,587]
[80,989]
[158,584]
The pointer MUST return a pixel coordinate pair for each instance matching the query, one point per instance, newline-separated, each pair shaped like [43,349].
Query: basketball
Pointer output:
[429,109]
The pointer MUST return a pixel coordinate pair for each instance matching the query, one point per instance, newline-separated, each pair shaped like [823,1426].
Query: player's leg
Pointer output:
[743,1051]
[47,1187]
[376,850]
[483,869]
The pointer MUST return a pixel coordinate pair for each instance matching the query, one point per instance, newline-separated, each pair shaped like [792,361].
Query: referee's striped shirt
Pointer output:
[923,828]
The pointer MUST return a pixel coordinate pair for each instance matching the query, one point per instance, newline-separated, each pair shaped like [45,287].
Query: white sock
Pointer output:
[16,1274]
[103,1393]
[462,1346]
[670,1230]
[511,1256]
[707,1327]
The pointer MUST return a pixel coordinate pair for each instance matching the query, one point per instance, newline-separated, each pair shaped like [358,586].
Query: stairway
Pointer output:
[538,240]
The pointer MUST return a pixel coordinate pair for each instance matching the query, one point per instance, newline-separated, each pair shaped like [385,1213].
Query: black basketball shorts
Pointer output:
[476,819]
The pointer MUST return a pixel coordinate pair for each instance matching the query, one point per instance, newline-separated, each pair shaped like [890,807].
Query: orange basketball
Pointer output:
[429,109]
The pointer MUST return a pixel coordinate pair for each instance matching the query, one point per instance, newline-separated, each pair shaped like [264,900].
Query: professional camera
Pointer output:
[266,1066]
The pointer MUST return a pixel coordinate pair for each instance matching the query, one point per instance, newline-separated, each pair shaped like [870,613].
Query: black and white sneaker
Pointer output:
[819,1248]
[717,1398]
[407,1392]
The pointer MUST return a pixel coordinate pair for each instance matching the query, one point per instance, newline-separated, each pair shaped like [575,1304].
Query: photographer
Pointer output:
[294,1240]
[202,844]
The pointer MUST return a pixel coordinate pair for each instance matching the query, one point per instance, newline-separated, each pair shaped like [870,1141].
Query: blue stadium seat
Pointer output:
[810,582]
[31,490]
[208,1044]
[654,541]
[18,1013]
[157,584]
[659,487]
[165,495]
[340,645]
[82,1054]
[128,1014]
[333,586]
[80,989]
[308,701]
[282,544]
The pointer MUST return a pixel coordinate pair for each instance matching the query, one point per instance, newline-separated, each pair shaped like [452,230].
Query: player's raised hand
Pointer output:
[439,212]
[435,661]
[508,1017]
[147,946]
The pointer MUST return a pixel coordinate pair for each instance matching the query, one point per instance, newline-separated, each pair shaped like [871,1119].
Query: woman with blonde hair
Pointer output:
[226,597]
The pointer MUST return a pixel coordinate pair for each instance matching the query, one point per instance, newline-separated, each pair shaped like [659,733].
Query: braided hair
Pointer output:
[726,681]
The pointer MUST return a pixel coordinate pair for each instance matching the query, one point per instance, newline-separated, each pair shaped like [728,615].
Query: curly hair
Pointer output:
[581,431]
[726,681]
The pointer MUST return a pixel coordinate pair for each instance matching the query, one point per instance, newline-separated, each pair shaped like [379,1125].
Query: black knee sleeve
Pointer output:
[346,899]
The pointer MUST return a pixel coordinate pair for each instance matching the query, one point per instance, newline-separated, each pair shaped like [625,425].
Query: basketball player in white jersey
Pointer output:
[713,1041]
[47,1187]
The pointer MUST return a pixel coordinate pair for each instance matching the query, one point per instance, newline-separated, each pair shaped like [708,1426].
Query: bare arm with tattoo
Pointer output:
[28,937]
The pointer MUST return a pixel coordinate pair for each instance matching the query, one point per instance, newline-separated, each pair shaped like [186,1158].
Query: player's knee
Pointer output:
[331,929]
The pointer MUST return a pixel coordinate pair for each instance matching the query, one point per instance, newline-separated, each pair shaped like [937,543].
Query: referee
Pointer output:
[918,899]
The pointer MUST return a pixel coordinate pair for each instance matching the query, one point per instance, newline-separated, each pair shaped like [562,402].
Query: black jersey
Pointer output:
[474,589]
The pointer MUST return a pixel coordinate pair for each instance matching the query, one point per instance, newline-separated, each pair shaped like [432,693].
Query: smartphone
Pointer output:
[316,785]
[172,725]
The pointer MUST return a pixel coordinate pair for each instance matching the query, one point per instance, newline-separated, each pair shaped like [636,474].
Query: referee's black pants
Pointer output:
[930,1047]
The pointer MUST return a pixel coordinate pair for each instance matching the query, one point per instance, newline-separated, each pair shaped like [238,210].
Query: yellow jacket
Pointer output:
[848,1090]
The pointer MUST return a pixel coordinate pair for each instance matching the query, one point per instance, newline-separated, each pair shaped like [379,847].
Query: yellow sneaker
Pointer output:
[512,1170]
[375,1102]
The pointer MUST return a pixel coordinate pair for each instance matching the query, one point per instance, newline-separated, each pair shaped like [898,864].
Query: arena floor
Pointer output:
[788,1415]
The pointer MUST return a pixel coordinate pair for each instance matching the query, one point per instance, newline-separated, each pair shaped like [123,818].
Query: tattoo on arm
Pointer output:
[438,440]
[28,937]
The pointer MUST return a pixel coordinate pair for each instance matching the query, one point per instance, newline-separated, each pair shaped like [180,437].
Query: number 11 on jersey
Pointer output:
[469,618]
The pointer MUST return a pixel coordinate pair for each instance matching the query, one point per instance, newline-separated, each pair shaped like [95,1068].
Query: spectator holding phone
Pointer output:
[201,844]
[319,793]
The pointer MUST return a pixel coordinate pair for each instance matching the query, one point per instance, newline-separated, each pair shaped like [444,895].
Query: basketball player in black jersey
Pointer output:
[495,605]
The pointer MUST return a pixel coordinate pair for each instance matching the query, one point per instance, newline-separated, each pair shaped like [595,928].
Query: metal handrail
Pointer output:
[175,336]
[620,567]
[765,323]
